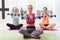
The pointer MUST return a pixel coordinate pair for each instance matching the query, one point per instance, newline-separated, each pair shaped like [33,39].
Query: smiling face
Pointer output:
[30,8]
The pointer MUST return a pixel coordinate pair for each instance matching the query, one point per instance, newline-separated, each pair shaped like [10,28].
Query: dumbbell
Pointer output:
[9,14]
[26,18]
[18,14]
[39,17]
[52,16]
[22,17]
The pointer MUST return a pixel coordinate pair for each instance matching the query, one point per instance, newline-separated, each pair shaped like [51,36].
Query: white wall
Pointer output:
[37,5]
[57,9]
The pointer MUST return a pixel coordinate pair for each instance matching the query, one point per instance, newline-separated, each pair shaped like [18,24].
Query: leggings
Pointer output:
[31,31]
[14,26]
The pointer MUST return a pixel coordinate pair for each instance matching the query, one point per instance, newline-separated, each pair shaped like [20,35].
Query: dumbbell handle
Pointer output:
[39,17]
[52,16]
[9,13]
[33,17]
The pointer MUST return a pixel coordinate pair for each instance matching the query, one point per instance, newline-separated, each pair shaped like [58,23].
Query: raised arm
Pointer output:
[35,16]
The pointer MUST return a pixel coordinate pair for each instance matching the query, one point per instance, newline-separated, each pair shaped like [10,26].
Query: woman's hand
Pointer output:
[25,16]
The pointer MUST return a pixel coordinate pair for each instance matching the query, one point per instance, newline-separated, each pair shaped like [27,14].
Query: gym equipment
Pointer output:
[22,17]
[13,14]
[27,17]
[52,16]
[9,14]
[39,17]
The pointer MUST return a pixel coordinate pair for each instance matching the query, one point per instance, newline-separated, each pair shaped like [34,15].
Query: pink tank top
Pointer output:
[30,20]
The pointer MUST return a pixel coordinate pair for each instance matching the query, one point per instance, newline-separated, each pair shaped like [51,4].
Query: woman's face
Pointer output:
[44,9]
[16,10]
[30,8]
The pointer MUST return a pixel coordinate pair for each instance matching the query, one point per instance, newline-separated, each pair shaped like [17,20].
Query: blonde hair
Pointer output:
[15,8]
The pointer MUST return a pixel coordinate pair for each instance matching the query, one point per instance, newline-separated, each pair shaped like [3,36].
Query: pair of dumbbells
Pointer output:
[13,14]
[51,16]
[39,17]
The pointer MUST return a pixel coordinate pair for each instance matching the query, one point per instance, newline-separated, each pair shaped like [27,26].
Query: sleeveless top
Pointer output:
[30,20]
[45,20]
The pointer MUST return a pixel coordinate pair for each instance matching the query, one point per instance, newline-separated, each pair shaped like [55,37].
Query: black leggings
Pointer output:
[30,29]
[46,24]
[14,26]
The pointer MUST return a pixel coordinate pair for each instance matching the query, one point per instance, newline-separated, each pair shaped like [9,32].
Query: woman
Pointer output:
[30,29]
[45,25]
[15,18]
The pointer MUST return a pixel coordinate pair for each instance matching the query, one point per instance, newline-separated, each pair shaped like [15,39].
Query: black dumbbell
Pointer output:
[39,17]
[54,15]
[16,15]
[51,16]
[9,14]
[22,17]
[12,14]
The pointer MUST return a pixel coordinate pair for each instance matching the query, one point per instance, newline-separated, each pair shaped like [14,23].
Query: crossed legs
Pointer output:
[49,27]
[35,33]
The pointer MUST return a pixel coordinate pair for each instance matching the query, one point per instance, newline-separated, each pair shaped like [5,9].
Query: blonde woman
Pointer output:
[15,17]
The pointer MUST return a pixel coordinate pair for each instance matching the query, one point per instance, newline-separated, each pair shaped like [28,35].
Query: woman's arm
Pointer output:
[35,15]
[25,16]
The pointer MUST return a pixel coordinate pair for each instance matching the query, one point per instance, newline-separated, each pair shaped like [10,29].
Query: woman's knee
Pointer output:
[37,32]
[8,24]
[40,31]
[53,24]
[21,31]
[21,25]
